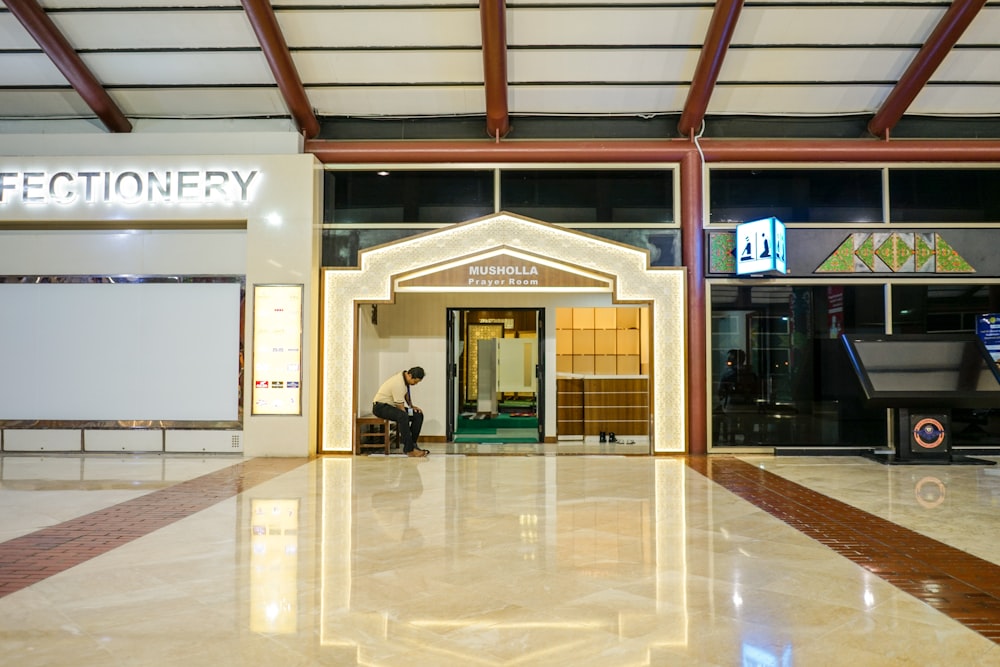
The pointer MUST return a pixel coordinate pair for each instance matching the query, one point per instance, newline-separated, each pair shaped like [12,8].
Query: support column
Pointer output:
[693,258]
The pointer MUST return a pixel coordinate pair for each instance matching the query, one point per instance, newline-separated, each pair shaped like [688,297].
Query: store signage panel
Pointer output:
[130,187]
[760,247]
[503,271]
[277,350]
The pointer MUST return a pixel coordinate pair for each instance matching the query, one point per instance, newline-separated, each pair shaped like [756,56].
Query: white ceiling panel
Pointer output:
[200,102]
[390,4]
[29,69]
[873,23]
[131,4]
[13,36]
[598,26]
[380,27]
[180,68]
[391,102]
[781,100]
[957,101]
[43,104]
[641,65]
[814,65]
[401,67]
[969,65]
[985,28]
[596,100]
[182,29]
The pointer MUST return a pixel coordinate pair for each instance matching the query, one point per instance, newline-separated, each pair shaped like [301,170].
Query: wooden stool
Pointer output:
[372,432]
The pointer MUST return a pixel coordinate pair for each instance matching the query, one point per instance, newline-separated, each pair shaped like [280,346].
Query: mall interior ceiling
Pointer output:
[496,70]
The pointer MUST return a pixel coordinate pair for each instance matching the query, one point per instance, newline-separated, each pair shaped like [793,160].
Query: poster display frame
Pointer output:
[275,346]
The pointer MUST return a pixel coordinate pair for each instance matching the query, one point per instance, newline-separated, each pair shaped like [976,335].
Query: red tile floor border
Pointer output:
[957,584]
[28,559]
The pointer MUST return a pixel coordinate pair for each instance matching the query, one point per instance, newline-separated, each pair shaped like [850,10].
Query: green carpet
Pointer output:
[502,428]
[491,424]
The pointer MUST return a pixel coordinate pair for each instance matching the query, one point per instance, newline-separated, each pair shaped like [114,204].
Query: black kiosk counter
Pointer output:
[922,378]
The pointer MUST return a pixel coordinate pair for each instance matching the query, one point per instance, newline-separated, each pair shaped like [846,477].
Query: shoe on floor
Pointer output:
[417,452]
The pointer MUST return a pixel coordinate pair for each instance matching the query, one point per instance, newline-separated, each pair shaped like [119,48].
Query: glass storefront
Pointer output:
[780,374]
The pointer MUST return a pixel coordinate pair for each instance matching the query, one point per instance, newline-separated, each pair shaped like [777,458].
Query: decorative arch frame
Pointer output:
[632,279]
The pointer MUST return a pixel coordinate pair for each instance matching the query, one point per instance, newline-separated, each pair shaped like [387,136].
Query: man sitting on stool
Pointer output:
[392,401]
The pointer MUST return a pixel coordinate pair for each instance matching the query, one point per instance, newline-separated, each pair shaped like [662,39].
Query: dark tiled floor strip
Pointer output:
[956,583]
[31,558]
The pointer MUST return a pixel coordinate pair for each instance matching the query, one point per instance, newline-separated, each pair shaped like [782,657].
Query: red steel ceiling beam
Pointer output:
[493,18]
[68,61]
[720,34]
[664,150]
[937,47]
[275,48]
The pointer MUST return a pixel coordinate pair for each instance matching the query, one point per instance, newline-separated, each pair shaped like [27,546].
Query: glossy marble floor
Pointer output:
[497,560]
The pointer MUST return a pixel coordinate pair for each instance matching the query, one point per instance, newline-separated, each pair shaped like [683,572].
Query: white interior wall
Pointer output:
[413,332]
[280,244]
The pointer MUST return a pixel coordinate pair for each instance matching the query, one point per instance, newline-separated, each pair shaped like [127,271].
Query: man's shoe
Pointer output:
[416,453]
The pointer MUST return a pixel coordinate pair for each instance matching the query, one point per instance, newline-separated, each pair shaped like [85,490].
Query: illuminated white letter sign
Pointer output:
[131,187]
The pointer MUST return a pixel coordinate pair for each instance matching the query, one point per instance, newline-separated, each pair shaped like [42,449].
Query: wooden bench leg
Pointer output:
[371,432]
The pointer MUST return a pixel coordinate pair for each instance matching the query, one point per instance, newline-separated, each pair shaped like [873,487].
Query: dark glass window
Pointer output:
[589,196]
[796,195]
[944,195]
[795,386]
[341,246]
[664,245]
[929,309]
[406,196]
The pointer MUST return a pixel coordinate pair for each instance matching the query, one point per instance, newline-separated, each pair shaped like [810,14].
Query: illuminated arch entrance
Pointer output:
[565,261]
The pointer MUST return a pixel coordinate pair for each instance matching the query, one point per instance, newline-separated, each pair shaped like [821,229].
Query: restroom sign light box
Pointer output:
[760,247]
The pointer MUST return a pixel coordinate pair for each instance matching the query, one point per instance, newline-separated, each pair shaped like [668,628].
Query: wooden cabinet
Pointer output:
[569,406]
[616,405]
[587,406]
[606,348]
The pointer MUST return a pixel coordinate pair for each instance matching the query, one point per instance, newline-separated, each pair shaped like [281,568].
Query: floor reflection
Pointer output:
[498,560]
[547,557]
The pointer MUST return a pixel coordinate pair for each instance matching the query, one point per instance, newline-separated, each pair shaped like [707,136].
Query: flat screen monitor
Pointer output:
[924,371]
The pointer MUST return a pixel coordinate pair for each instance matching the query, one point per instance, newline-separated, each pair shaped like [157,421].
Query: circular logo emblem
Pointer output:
[928,433]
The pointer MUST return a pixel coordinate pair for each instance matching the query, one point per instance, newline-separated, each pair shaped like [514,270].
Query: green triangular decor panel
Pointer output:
[840,260]
[922,253]
[949,261]
[866,252]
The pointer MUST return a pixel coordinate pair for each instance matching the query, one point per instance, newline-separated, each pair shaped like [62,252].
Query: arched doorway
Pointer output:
[498,257]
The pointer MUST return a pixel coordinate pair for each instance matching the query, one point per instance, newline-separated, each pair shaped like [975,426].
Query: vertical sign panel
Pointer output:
[277,350]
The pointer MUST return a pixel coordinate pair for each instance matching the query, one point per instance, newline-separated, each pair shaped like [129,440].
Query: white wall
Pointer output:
[280,244]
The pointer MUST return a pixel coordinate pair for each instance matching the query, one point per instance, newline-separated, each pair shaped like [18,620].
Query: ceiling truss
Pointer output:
[495,46]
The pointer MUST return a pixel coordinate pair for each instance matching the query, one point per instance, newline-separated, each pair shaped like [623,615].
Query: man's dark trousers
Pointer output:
[408,425]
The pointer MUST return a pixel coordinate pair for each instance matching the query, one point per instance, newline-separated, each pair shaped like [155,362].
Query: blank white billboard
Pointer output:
[125,351]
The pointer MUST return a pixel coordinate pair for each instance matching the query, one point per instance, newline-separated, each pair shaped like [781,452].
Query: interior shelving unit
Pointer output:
[602,365]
